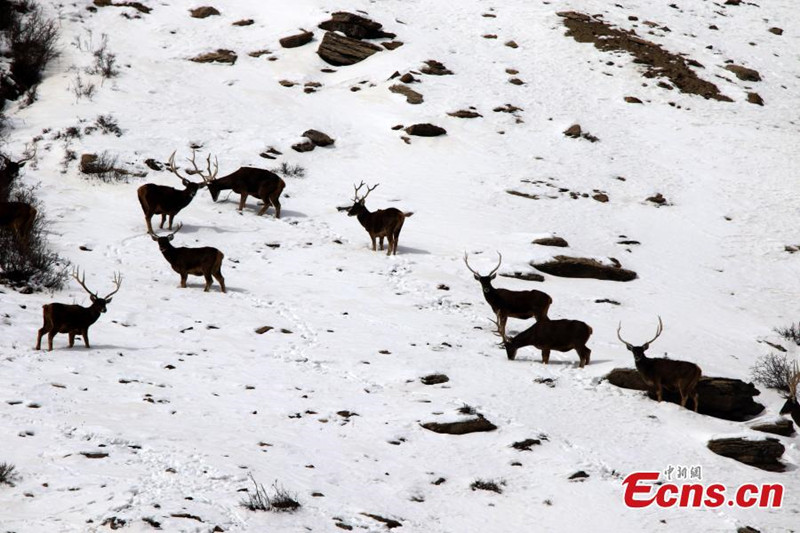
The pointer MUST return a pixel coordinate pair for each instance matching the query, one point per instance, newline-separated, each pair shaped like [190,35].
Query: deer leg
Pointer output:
[163,219]
[220,280]
[659,392]
[50,336]
[148,220]
[183,280]
[263,209]
[371,236]
[242,201]
[380,243]
[208,281]
[171,218]
[277,203]
[390,247]
[85,336]
[501,319]
[545,356]
[42,331]
[585,354]
[695,396]
[71,339]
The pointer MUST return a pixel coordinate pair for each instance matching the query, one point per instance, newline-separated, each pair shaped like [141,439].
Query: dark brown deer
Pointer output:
[168,201]
[205,261]
[380,224]
[249,181]
[19,217]
[661,373]
[74,319]
[546,335]
[507,303]
[9,173]
[792,407]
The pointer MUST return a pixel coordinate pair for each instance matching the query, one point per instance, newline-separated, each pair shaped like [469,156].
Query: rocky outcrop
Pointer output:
[340,51]
[764,454]
[580,267]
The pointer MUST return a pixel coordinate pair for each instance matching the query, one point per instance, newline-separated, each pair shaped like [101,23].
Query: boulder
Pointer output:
[425,130]
[294,41]
[203,12]
[580,267]
[763,454]
[340,51]
[552,241]
[726,398]
[305,146]
[744,73]
[355,26]
[412,96]
[318,138]
[435,68]
[220,56]
[783,427]
[434,379]
[461,427]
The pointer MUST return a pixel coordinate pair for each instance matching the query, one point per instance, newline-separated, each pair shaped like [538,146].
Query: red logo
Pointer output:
[642,491]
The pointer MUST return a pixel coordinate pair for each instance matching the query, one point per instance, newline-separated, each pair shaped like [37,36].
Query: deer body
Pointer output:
[205,261]
[507,303]
[546,335]
[18,216]
[249,181]
[380,224]
[73,319]
[165,201]
[661,373]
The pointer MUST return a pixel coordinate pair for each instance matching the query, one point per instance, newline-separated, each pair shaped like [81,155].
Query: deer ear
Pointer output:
[477,277]
[170,237]
[109,300]
[22,164]
[493,276]
[154,237]
[92,297]
[645,347]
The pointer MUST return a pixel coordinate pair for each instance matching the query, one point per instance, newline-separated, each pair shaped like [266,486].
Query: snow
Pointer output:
[227,402]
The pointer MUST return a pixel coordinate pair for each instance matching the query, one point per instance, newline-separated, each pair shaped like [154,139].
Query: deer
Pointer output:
[380,224]
[74,319]
[661,373]
[507,303]
[792,405]
[168,201]
[19,217]
[250,181]
[561,335]
[205,261]
[10,171]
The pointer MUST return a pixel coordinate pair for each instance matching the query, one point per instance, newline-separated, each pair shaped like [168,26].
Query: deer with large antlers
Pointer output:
[547,335]
[380,224]
[250,181]
[661,373]
[205,261]
[74,319]
[168,201]
[792,405]
[507,303]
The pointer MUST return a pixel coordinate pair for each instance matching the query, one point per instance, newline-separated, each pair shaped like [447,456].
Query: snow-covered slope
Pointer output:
[188,401]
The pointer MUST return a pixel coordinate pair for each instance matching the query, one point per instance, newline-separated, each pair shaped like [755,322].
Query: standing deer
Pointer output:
[19,217]
[249,181]
[74,319]
[792,405]
[546,335]
[660,373]
[205,261]
[168,201]
[506,303]
[379,224]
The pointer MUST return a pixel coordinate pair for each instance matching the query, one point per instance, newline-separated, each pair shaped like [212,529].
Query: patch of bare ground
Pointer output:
[657,61]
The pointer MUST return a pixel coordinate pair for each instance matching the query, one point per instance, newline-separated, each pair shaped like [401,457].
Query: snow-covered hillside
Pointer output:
[187,401]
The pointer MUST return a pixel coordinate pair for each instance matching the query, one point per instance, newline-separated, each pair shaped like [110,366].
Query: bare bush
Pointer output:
[260,500]
[773,371]
[103,167]
[790,333]
[105,63]
[81,88]
[483,484]
[32,39]
[108,125]
[290,171]
[8,474]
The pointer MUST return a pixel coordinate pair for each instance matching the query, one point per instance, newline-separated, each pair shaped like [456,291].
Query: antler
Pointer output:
[466,262]
[171,166]
[81,279]
[369,190]
[208,177]
[499,261]
[177,229]
[31,156]
[500,333]
[117,284]
[490,274]
[619,336]
[658,331]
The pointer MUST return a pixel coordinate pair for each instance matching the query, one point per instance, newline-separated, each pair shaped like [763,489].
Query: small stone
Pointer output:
[203,12]
[512,44]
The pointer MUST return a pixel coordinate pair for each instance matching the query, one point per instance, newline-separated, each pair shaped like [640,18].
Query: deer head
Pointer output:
[508,344]
[164,240]
[638,351]
[485,281]
[358,206]
[97,302]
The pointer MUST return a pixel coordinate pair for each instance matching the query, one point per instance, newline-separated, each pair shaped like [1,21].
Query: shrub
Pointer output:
[483,484]
[102,167]
[81,88]
[791,333]
[8,474]
[32,39]
[105,63]
[260,500]
[290,171]
[773,371]
[108,125]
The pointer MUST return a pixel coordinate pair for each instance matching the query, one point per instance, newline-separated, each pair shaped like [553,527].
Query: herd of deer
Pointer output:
[545,334]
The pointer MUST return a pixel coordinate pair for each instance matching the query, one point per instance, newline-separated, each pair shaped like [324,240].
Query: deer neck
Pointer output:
[365,218]
[94,311]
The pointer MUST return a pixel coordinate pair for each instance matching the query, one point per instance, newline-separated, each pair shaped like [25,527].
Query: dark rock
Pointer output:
[524,276]
[138,6]
[88,164]
[220,56]
[388,522]
[763,454]
[152,164]
[203,12]
[580,267]
[490,36]
[425,130]
[755,98]
[516,81]
[243,22]
[512,44]
[412,96]
[392,45]
[435,68]
[294,41]
[552,241]
[341,51]
[305,146]
[508,108]
[725,398]
[408,78]
[573,131]
[744,73]
[434,379]
[318,138]
[355,26]
[465,113]
[463,427]
[600,197]
[526,445]
[783,427]
[776,31]
[632,100]
[657,199]
[580,475]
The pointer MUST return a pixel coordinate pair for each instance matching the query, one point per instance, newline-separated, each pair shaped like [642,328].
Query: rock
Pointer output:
[355,26]
[747,529]
[580,267]
[725,398]
[425,130]
[203,12]
[318,138]
[516,81]
[434,379]
[490,36]
[88,164]
[657,199]
[465,113]
[755,98]
[508,108]
[632,100]
[763,454]
[243,22]
[580,475]
[744,73]
[264,329]
[220,56]
[341,51]
[412,96]
[152,164]
[600,197]
[463,427]
[776,31]
[573,131]
[551,241]
[294,41]
[512,44]
[435,68]
[783,427]
[392,45]
[408,78]
[388,522]
[305,146]
[526,445]
[138,6]
[524,276]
